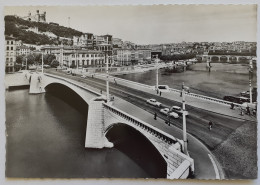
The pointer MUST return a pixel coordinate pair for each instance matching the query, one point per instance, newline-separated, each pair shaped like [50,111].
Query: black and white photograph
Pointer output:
[131,92]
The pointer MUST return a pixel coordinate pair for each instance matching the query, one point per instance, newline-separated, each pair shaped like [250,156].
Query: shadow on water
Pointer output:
[138,148]
[69,96]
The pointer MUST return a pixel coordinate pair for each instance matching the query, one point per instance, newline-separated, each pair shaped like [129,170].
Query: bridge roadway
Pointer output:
[197,122]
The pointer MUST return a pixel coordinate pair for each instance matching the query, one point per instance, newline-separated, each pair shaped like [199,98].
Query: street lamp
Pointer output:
[250,78]
[107,80]
[42,62]
[184,89]
[157,72]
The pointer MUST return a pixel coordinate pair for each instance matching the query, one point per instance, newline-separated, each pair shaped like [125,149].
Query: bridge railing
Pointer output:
[216,100]
[141,124]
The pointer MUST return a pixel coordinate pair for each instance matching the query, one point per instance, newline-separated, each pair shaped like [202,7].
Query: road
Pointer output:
[197,122]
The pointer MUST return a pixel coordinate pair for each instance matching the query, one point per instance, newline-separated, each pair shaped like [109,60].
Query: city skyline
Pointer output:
[143,24]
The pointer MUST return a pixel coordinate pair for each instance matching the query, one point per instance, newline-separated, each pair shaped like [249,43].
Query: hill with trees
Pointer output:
[18,27]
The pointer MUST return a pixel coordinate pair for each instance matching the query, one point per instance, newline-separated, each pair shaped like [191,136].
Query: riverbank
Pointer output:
[16,80]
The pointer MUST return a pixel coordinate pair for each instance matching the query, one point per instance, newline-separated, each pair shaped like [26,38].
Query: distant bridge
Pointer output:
[102,116]
[228,58]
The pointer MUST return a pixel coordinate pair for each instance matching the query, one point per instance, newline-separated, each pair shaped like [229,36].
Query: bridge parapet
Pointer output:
[179,165]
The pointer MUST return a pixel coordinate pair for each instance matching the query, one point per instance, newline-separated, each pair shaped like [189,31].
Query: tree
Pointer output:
[19,59]
[55,63]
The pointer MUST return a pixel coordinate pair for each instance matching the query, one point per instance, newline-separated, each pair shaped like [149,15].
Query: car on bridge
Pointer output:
[154,102]
[163,88]
[166,111]
[178,110]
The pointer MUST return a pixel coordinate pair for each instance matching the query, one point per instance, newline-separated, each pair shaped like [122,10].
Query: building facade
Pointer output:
[10,53]
[23,50]
[133,56]
[76,56]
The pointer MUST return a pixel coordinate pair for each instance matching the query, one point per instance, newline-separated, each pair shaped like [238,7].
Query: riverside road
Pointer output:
[197,123]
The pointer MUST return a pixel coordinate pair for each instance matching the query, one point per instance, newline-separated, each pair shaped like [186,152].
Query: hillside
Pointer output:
[19,29]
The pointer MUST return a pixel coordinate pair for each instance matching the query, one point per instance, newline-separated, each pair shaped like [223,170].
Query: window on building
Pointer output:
[8,42]
[87,55]
[7,48]
[11,42]
[11,48]
[92,55]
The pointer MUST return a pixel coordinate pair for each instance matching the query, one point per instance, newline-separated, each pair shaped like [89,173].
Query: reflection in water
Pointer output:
[45,138]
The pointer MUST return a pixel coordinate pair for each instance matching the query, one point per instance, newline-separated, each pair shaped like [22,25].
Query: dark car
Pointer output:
[235,99]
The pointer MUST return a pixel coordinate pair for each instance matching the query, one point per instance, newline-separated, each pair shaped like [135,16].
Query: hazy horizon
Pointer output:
[156,24]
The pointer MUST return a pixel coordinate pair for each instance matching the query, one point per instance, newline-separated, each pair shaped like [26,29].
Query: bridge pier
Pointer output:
[95,137]
[36,84]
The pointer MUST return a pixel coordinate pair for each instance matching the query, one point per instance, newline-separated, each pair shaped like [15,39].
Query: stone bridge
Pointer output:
[228,58]
[102,116]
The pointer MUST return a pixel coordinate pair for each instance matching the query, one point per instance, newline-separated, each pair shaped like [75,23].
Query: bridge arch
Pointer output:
[138,147]
[59,87]
[68,95]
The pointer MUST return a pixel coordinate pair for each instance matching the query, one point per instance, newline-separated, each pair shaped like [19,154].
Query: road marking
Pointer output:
[215,166]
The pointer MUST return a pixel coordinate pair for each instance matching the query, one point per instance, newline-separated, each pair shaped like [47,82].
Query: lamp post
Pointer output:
[42,62]
[184,89]
[107,80]
[250,78]
[157,73]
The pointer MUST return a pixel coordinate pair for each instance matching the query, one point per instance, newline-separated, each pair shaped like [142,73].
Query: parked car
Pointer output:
[234,99]
[245,93]
[83,76]
[154,102]
[163,88]
[166,111]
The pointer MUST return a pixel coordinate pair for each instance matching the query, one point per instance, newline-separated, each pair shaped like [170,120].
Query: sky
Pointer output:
[156,24]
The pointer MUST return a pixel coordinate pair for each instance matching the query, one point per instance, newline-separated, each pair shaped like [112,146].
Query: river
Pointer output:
[215,83]
[45,139]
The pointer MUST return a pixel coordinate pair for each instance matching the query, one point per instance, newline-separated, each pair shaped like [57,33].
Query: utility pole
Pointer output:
[250,78]
[26,63]
[107,81]
[77,60]
[184,88]
[42,62]
[157,73]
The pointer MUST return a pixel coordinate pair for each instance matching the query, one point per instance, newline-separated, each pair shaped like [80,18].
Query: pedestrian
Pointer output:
[241,111]
[232,105]
[157,91]
[56,69]
[160,93]
[155,116]
[100,91]
[115,81]
[210,125]
[247,110]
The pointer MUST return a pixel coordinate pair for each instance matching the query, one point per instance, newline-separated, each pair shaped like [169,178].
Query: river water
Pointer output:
[46,135]
[215,83]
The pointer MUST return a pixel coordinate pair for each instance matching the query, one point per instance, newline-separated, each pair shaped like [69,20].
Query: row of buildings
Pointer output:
[77,55]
